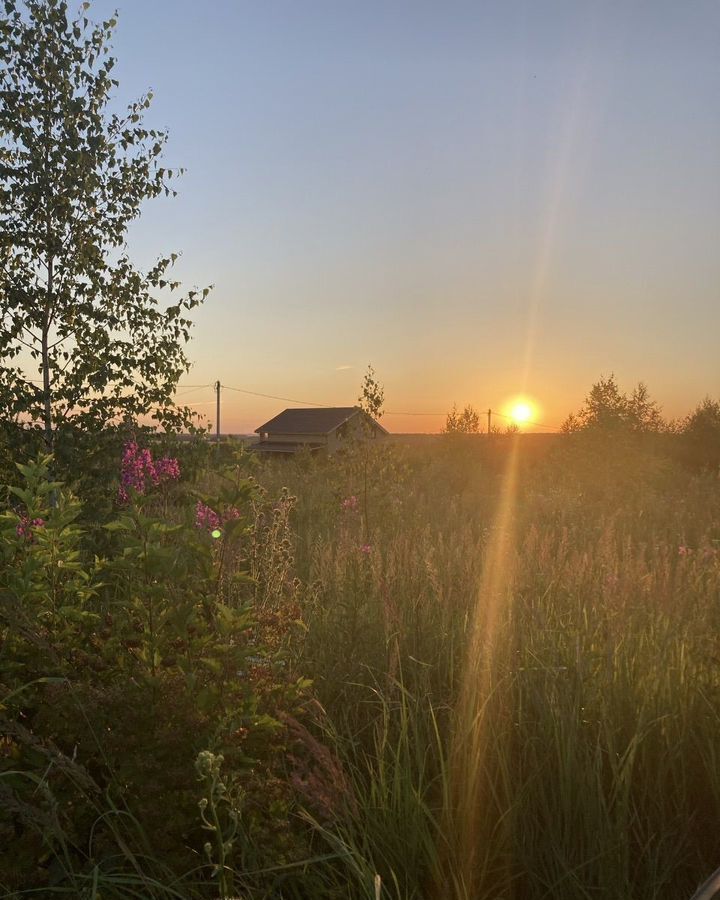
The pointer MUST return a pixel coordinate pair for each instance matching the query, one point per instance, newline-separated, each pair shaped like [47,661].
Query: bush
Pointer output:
[119,669]
[700,436]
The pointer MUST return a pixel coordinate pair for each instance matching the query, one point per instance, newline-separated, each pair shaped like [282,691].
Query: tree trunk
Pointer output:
[47,397]
[47,394]
[47,412]
[50,257]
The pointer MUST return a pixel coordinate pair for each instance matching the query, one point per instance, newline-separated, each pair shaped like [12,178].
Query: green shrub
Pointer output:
[120,669]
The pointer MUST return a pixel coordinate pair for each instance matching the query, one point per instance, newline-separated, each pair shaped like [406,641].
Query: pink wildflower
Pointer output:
[137,469]
[684,551]
[366,549]
[207,519]
[350,504]
[136,466]
[25,527]
[167,469]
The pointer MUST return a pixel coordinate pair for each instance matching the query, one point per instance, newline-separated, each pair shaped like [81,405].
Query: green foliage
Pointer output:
[121,668]
[73,309]
[515,686]
[220,813]
[44,586]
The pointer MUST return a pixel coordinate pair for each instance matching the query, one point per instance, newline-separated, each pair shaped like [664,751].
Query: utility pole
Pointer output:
[489,421]
[217,412]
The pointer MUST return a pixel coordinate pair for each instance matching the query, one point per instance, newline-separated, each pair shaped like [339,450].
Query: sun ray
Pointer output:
[472,795]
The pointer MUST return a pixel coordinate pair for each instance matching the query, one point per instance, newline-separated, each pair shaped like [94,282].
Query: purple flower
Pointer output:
[366,549]
[207,519]
[136,465]
[167,469]
[25,527]
[137,471]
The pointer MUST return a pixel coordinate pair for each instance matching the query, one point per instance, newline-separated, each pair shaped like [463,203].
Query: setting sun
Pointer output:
[521,412]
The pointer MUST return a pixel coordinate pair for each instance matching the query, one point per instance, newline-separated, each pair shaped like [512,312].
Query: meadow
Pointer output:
[464,668]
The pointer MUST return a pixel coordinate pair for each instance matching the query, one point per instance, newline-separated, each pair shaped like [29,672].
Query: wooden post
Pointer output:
[217,412]
[489,421]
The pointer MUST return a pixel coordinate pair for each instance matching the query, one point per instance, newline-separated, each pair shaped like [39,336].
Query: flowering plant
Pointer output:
[25,526]
[208,520]
[138,471]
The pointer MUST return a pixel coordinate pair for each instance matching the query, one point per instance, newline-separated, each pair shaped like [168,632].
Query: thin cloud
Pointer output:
[343,368]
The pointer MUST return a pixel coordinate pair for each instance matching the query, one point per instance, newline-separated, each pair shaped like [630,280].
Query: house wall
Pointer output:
[354,429]
[297,438]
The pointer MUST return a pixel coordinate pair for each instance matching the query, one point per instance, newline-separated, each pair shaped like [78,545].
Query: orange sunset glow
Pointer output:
[504,204]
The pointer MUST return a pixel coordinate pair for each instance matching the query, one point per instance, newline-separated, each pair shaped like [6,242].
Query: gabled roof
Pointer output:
[313,421]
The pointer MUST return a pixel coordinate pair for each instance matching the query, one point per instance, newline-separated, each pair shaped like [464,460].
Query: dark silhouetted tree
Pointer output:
[372,395]
[84,338]
[608,409]
[465,422]
[700,434]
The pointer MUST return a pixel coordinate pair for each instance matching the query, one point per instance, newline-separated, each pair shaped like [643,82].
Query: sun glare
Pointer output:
[521,412]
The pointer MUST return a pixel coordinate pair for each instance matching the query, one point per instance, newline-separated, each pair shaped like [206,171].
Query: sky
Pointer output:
[482,200]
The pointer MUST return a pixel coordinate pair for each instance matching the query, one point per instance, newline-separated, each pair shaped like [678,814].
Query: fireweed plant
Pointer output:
[139,473]
[131,664]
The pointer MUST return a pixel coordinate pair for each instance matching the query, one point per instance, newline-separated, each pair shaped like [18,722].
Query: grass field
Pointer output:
[521,673]
[447,669]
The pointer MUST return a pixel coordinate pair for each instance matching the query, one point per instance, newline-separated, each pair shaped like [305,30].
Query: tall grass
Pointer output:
[523,675]
[516,689]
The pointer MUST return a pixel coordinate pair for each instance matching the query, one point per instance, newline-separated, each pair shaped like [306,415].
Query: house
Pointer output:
[321,430]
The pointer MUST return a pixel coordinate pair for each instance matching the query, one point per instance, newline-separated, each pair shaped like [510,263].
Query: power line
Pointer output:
[273,397]
[388,412]
[191,390]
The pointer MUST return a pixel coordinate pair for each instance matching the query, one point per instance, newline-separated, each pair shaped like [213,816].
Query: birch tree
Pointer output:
[86,339]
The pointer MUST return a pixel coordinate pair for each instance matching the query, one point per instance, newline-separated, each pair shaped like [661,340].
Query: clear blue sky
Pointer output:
[482,199]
